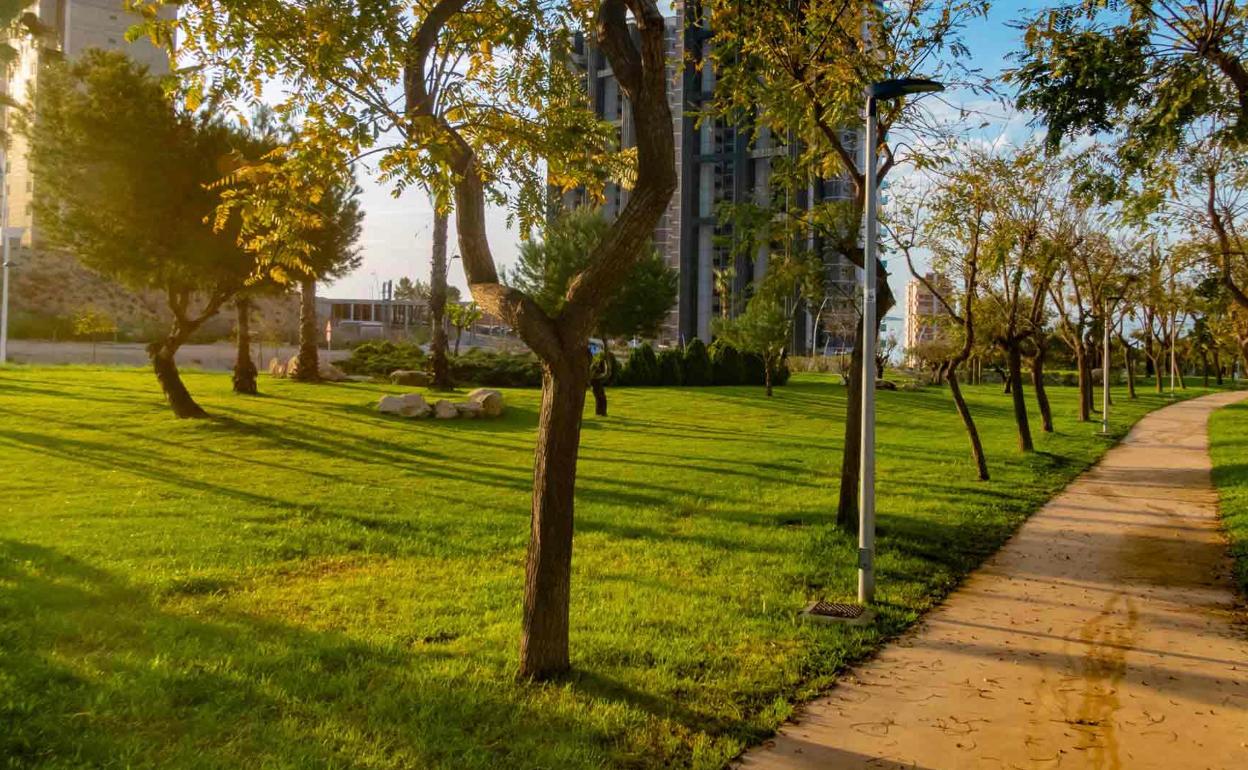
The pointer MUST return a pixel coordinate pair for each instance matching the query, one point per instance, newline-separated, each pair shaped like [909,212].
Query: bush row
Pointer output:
[695,365]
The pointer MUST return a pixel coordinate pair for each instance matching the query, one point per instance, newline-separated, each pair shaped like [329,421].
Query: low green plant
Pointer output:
[642,367]
[671,369]
[697,363]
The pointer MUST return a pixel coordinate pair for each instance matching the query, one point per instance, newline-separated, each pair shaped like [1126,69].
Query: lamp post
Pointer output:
[884,90]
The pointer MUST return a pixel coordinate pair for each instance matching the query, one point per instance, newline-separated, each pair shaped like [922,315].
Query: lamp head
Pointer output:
[892,89]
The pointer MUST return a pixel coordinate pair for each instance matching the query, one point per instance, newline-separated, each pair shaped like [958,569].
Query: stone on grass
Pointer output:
[409,377]
[331,373]
[445,410]
[414,405]
[885,385]
[490,401]
[390,405]
[470,409]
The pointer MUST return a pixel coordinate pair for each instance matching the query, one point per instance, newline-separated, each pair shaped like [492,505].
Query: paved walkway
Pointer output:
[1101,636]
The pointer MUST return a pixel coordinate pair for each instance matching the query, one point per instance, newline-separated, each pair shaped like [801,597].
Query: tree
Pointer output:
[468,132]
[955,225]
[125,178]
[410,291]
[462,317]
[333,237]
[93,324]
[764,328]
[799,71]
[1148,69]
[545,268]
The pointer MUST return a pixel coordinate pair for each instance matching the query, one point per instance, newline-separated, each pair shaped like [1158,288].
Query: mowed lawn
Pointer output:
[1228,446]
[300,582]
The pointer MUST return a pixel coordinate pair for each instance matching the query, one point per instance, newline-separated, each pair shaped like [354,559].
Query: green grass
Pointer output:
[300,582]
[1228,446]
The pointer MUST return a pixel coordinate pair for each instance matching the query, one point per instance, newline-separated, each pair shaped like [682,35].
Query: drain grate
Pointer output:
[826,609]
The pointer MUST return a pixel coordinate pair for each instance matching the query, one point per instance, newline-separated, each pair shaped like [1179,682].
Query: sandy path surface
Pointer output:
[1103,635]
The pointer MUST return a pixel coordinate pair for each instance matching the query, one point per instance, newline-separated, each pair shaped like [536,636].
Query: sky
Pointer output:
[397,231]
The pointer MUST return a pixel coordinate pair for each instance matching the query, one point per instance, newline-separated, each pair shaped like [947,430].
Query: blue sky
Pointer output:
[396,238]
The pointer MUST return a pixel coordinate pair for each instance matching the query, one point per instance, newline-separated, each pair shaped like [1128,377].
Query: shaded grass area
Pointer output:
[1228,447]
[301,582]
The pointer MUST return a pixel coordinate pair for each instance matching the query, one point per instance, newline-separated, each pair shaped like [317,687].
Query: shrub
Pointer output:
[671,372]
[752,371]
[697,364]
[642,367]
[498,370]
[726,365]
[378,359]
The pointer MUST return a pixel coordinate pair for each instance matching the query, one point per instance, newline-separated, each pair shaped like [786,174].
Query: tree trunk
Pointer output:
[767,376]
[437,305]
[1217,366]
[309,368]
[977,447]
[548,567]
[1126,353]
[1204,368]
[1042,394]
[162,356]
[600,397]
[459,334]
[851,455]
[244,367]
[1085,384]
[1015,358]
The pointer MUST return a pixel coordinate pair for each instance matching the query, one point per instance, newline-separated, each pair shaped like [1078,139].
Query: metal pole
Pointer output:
[1105,364]
[1174,333]
[4,233]
[866,484]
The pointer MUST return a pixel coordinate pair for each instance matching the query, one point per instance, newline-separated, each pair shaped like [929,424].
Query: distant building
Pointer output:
[71,27]
[360,320]
[715,163]
[923,313]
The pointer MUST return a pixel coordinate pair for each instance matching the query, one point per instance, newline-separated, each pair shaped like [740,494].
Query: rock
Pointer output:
[292,366]
[390,405]
[331,373]
[885,385]
[414,405]
[490,401]
[470,409]
[276,367]
[409,377]
[445,410]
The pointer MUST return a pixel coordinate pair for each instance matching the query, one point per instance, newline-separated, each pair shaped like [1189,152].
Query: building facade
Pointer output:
[716,163]
[69,28]
[923,314]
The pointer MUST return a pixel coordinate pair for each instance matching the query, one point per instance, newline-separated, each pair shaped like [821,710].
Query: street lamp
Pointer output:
[884,90]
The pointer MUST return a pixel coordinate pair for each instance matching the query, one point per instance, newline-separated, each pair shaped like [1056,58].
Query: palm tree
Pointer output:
[724,278]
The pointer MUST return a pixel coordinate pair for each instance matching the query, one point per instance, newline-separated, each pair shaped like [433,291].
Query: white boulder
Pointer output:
[390,405]
[414,405]
[490,401]
[445,410]
[331,373]
[469,409]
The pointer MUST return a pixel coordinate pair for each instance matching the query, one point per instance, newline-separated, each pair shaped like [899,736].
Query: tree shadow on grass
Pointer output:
[95,671]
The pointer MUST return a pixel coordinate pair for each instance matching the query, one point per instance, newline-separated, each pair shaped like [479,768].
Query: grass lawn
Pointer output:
[1228,446]
[300,582]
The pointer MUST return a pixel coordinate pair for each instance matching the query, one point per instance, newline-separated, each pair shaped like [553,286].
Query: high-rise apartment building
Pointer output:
[68,27]
[923,312]
[717,163]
